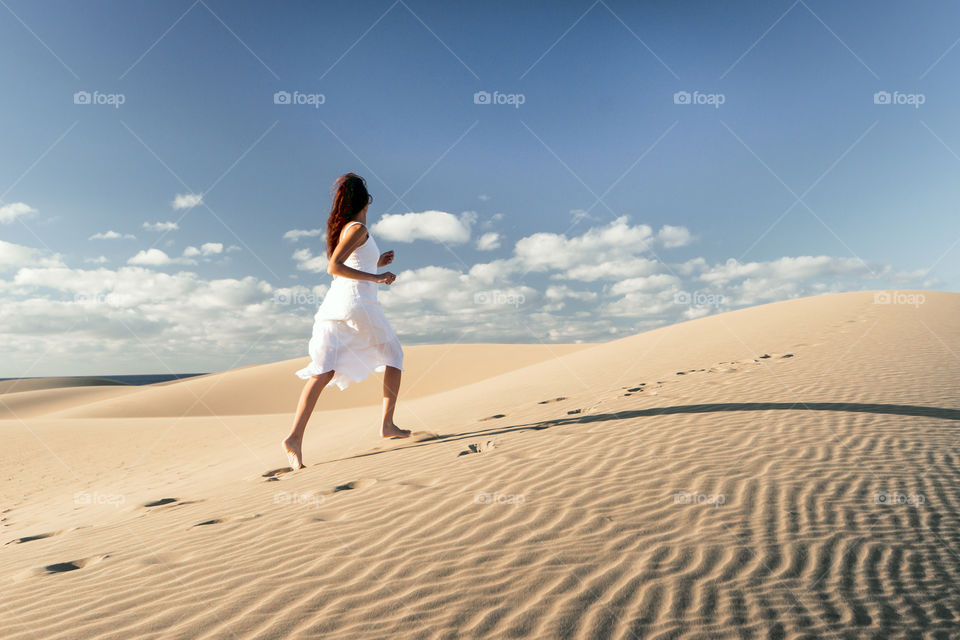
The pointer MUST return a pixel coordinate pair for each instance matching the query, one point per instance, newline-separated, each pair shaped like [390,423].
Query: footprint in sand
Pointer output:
[39,536]
[273,475]
[230,519]
[72,565]
[354,484]
[552,400]
[479,447]
[419,483]
[495,416]
[160,502]
[308,496]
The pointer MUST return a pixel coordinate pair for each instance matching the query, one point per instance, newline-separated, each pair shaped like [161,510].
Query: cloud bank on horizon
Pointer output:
[603,282]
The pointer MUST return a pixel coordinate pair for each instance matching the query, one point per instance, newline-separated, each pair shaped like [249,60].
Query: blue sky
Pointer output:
[605,203]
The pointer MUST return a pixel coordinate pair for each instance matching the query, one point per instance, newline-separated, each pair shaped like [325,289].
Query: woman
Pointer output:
[351,336]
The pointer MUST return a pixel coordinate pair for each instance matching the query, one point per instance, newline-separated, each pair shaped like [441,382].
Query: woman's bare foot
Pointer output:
[393,431]
[291,447]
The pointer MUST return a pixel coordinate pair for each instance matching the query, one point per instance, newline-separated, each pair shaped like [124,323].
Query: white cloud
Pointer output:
[112,235]
[295,234]
[187,200]
[206,249]
[306,261]
[494,271]
[655,282]
[613,269]
[577,215]
[97,260]
[561,292]
[552,251]
[434,226]
[672,236]
[14,210]
[159,258]
[161,226]
[790,269]
[133,317]
[151,257]
[483,197]
[15,255]
[492,220]
[488,241]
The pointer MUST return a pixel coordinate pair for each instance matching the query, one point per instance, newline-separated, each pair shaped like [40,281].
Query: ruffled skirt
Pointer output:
[353,338]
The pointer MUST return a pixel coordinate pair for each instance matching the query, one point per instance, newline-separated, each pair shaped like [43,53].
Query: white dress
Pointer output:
[351,334]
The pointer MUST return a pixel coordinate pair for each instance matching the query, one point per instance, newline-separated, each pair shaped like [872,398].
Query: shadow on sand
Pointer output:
[848,407]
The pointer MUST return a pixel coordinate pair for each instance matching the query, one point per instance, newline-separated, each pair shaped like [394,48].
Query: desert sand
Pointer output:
[784,471]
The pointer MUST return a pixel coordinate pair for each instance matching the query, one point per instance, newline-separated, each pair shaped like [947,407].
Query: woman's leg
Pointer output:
[391,389]
[308,400]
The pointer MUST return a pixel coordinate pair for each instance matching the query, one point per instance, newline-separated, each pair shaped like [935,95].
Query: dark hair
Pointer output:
[350,196]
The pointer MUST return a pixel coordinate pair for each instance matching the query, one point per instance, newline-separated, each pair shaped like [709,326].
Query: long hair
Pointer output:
[350,196]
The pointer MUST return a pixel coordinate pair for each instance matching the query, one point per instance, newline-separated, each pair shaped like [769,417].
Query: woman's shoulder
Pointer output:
[346,227]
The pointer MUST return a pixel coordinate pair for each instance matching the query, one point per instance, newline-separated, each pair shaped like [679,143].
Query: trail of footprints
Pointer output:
[168,502]
[75,565]
[720,367]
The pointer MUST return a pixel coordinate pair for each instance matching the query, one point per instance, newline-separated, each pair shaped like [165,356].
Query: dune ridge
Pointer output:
[782,471]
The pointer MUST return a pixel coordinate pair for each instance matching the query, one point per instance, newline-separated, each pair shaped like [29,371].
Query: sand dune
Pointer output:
[17,385]
[783,471]
[273,388]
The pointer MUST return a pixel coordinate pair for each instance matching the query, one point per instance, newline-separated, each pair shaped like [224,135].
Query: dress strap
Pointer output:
[346,226]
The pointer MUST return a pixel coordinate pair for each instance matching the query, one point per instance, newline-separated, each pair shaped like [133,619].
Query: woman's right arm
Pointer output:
[352,239]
